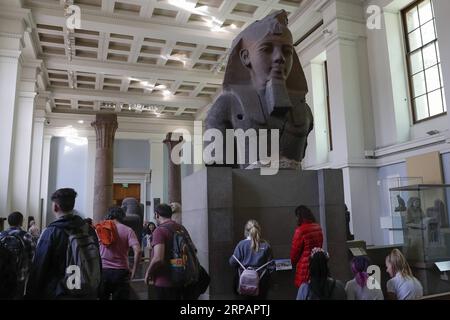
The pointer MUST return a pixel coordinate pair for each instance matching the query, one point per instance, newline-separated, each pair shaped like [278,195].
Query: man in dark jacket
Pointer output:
[22,245]
[48,272]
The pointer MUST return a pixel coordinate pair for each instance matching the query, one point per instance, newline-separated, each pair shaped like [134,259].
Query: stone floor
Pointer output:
[139,289]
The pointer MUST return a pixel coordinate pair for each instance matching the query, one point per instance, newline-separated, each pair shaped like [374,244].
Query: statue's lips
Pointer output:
[277,73]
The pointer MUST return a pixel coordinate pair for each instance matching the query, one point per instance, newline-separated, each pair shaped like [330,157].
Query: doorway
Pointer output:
[125,190]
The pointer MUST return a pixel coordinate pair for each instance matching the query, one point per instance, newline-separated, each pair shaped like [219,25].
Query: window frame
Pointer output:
[327,93]
[409,53]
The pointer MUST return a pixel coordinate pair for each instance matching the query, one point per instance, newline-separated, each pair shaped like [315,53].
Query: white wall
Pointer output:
[389,79]
[131,154]
[68,169]
[370,105]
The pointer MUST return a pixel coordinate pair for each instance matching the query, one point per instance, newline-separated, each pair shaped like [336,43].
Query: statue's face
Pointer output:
[269,58]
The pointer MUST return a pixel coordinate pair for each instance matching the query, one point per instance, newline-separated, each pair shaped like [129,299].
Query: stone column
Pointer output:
[45,173]
[105,126]
[34,202]
[90,179]
[23,137]
[174,185]
[11,45]
[352,114]
[174,171]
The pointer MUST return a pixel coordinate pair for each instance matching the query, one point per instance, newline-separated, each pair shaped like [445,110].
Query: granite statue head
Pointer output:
[265,49]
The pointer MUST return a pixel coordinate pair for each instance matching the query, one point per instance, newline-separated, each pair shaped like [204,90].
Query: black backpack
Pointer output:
[183,261]
[8,274]
[82,255]
[14,243]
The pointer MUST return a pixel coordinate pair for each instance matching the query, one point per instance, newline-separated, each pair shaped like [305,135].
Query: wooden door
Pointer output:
[125,190]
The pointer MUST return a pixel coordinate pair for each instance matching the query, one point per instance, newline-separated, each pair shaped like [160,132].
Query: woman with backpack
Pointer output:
[321,286]
[252,256]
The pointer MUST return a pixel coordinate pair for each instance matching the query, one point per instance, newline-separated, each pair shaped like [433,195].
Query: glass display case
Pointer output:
[424,214]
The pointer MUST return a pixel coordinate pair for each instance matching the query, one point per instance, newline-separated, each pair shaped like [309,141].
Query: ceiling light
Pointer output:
[166,93]
[189,6]
[233,26]
[80,121]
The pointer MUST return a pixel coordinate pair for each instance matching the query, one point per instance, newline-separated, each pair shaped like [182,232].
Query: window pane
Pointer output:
[438,53]
[416,62]
[419,84]
[415,40]
[432,76]
[421,108]
[425,12]
[429,56]
[412,19]
[428,33]
[435,102]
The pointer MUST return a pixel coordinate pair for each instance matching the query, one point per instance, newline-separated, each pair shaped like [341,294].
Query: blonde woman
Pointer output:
[253,252]
[402,285]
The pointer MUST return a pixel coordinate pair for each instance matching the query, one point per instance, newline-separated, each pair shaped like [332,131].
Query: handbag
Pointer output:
[193,291]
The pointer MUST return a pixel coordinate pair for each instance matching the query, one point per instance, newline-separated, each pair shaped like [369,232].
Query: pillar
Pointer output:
[105,126]
[174,171]
[46,147]
[23,137]
[34,203]
[351,113]
[90,177]
[11,45]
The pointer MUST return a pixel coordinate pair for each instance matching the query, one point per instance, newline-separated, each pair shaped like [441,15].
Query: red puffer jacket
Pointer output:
[306,237]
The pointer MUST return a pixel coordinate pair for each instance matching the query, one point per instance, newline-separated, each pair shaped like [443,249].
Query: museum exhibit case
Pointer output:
[423,212]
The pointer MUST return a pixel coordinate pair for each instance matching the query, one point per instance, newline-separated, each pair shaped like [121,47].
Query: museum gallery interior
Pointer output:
[99,95]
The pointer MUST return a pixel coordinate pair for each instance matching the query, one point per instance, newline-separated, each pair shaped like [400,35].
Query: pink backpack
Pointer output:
[249,279]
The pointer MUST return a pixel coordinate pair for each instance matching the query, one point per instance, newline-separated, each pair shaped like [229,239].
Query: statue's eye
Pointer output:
[266,48]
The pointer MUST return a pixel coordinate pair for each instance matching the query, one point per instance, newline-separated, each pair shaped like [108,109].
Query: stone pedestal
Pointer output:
[105,128]
[217,202]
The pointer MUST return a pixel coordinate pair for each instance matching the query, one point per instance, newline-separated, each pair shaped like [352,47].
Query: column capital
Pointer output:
[15,21]
[105,126]
[172,143]
[39,116]
[42,99]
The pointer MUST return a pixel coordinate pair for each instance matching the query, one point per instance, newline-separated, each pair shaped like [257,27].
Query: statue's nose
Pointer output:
[278,56]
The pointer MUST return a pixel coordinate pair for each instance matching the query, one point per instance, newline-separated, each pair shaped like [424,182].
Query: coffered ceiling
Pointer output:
[144,58]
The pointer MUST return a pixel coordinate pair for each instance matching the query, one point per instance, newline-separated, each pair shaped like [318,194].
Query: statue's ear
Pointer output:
[245,57]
